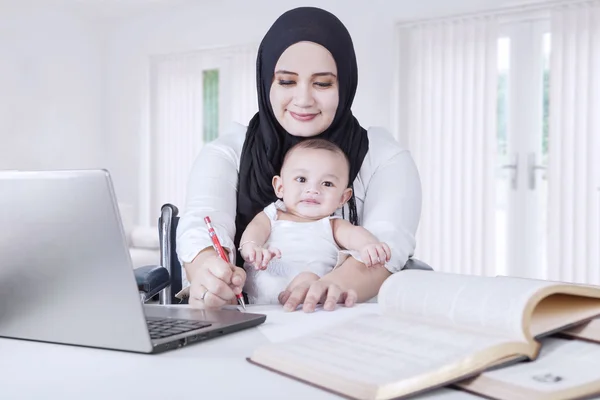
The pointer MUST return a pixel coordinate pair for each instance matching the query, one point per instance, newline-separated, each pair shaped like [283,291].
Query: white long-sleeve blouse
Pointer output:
[387,191]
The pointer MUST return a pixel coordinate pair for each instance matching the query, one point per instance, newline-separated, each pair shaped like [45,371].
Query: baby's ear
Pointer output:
[278,186]
[346,196]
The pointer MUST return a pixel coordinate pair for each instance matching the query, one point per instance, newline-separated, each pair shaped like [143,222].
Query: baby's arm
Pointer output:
[253,240]
[352,237]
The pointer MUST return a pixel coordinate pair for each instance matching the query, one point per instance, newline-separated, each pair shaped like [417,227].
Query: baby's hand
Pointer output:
[259,256]
[375,254]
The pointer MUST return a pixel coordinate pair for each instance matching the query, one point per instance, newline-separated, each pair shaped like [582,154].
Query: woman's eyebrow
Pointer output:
[325,74]
[282,71]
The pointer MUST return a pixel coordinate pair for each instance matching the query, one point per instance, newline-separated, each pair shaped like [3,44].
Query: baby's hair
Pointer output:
[319,144]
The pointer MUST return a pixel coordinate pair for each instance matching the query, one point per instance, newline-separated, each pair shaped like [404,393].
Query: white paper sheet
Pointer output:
[561,365]
[281,325]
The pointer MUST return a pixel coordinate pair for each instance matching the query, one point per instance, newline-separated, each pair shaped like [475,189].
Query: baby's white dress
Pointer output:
[304,246]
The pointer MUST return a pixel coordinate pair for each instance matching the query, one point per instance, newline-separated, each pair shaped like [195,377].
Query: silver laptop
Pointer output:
[66,275]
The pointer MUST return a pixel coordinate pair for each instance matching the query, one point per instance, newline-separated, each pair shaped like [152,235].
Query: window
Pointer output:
[193,96]
[210,101]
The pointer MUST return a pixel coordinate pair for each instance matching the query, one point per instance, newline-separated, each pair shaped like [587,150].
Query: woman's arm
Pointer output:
[354,275]
[211,191]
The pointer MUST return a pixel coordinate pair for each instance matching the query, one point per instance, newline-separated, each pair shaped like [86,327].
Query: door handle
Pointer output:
[532,167]
[514,167]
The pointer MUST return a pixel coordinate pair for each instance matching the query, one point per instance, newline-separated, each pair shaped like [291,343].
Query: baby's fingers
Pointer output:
[258,260]
[250,255]
[366,257]
[266,257]
[275,252]
[387,250]
[375,259]
[381,257]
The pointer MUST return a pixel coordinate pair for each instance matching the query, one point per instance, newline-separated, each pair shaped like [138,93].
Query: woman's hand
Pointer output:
[213,282]
[309,289]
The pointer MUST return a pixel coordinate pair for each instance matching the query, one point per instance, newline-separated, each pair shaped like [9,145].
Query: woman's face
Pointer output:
[304,94]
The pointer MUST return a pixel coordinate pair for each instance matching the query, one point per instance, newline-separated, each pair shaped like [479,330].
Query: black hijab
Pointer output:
[266,141]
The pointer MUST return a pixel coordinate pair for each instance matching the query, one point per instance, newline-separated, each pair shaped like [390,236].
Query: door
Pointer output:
[521,185]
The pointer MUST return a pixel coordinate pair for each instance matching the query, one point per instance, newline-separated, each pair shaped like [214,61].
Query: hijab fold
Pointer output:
[266,141]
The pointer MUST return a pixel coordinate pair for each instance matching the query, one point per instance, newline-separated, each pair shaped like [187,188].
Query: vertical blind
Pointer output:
[574,145]
[449,93]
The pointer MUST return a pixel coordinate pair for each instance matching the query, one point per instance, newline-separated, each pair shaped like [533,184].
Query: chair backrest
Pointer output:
[167,229]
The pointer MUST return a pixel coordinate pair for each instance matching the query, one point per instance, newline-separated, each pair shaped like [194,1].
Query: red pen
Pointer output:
[219,249]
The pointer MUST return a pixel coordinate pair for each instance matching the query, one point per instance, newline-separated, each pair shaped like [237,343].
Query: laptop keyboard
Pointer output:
[161,328]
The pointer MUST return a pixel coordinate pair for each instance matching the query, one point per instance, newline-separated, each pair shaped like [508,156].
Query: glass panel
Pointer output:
[541,180]
[503,69]
[210,96]
[546,88]
[502,175]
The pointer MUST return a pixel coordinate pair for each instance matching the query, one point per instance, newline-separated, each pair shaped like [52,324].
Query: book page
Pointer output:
[564,368]
[588,331]
[481,303]
[447,394]
[375,349]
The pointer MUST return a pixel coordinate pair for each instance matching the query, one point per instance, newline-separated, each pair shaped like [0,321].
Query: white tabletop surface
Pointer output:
[213,369]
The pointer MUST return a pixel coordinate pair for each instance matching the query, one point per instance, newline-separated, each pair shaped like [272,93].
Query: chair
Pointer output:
[166,280]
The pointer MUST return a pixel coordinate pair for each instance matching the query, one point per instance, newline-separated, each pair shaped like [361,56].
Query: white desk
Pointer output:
[214,369]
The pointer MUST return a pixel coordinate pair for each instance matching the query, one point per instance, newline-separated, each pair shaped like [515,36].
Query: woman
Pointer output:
[306,79]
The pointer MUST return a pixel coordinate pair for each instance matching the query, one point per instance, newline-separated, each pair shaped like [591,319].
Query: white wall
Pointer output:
[51,90]
[197,26]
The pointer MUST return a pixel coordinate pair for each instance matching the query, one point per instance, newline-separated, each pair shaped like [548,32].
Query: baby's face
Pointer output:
[313,183]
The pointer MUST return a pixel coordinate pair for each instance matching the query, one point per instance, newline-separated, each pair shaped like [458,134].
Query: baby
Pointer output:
[298,232]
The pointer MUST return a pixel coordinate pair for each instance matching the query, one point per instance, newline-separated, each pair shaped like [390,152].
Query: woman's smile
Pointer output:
[303,117]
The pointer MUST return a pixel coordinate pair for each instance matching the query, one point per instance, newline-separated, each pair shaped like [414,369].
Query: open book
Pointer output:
[588,331]
[433,329]
[565,369]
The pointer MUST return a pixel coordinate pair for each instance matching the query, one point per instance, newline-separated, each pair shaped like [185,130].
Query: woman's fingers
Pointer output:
[218,288]
[220,269]
[221,280]
[329,294]
[349,298]
[284,296]
[316,292]
[239,278]
[296,297]
[201,297]
[333,294]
